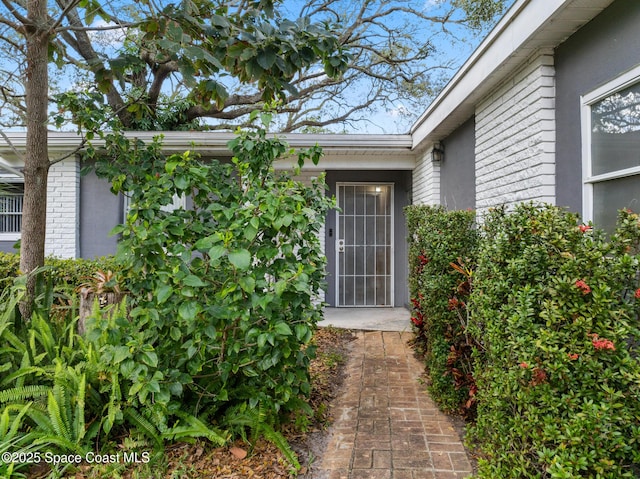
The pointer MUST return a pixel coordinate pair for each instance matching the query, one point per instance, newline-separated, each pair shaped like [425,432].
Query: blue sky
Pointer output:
[396,117]
[457,50]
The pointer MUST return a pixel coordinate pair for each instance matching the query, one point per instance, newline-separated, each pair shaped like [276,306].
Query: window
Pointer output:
[178,202]
[611,149]
[11,196]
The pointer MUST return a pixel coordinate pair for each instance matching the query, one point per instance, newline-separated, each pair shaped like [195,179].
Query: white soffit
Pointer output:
[385,152]
[528,26]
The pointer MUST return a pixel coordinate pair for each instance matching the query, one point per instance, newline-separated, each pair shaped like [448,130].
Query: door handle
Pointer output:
[340,245]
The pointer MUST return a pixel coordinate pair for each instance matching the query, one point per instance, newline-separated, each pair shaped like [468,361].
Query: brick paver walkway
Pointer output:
[386,426]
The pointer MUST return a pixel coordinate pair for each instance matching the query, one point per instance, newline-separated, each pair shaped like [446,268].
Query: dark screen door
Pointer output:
[364,246]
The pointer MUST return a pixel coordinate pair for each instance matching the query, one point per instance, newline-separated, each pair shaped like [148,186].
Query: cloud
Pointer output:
[106,35]
[431,4]
[399,111]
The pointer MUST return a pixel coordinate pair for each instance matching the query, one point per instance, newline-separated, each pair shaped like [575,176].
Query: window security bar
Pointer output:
[11,213]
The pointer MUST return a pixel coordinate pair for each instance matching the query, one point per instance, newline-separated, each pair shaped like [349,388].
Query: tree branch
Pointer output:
[160,74]
[65,10]
[17,15]
[12,146]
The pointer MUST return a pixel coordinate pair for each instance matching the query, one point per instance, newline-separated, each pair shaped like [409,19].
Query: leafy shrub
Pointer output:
[43,385]
[72,273]
[224,292]
[554,309]
[61,392]
[9,269]
[215,337]
[65,275]
[442,245]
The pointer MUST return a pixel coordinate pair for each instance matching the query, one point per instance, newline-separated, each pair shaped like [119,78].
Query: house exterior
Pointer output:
[546,109]
[370,175]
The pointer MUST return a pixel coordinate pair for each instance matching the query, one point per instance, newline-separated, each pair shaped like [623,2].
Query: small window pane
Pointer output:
[371,290]
[348,233]
[615,131]
[372,222]
[611,196]
[384,200]
[349,291]
[370,265]
[11,200]
[382,234]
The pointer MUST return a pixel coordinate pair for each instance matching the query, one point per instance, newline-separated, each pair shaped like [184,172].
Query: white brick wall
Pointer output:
[63,209]
[515,138]
[426,181]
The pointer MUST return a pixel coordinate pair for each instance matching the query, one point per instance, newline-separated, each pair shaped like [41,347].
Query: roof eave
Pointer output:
[356,151]
[528,26]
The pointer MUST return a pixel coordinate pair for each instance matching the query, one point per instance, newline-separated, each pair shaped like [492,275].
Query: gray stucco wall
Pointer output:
[458,170]
[402,198]
[7,246]
[100,212]
[596,54]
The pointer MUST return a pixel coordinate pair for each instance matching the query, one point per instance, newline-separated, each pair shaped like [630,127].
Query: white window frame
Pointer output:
[178,202]
[627,79]
[11,236]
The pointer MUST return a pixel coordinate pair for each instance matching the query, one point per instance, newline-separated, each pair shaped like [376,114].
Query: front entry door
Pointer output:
[364,246]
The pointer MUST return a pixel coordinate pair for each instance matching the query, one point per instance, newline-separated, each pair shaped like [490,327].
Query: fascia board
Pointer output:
[215,143]
[528,26]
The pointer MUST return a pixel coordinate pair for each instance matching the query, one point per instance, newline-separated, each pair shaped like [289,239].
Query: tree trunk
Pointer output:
[36,169]
[108,302]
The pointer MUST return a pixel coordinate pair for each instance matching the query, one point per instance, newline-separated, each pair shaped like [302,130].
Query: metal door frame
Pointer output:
[392,245]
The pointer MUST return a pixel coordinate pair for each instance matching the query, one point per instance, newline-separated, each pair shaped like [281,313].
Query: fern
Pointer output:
[41,331]
[45,433]
[193,428]
[13,440]
[18,444]
[19,375]
[63,399]
[62,443]
[44,291]
[22,393]
[61,421]
[12,339]
[56,414]
[257,420]
[8,304]
[78,417]
[9,428]
[143,426]
[114,411]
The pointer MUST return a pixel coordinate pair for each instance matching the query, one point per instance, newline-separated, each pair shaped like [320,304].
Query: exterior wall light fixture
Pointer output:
[437,152]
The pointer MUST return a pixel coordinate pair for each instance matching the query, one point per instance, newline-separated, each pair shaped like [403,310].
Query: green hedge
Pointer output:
[66,274]
[555,309]
[442,246]
[9,269]
[547,343]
